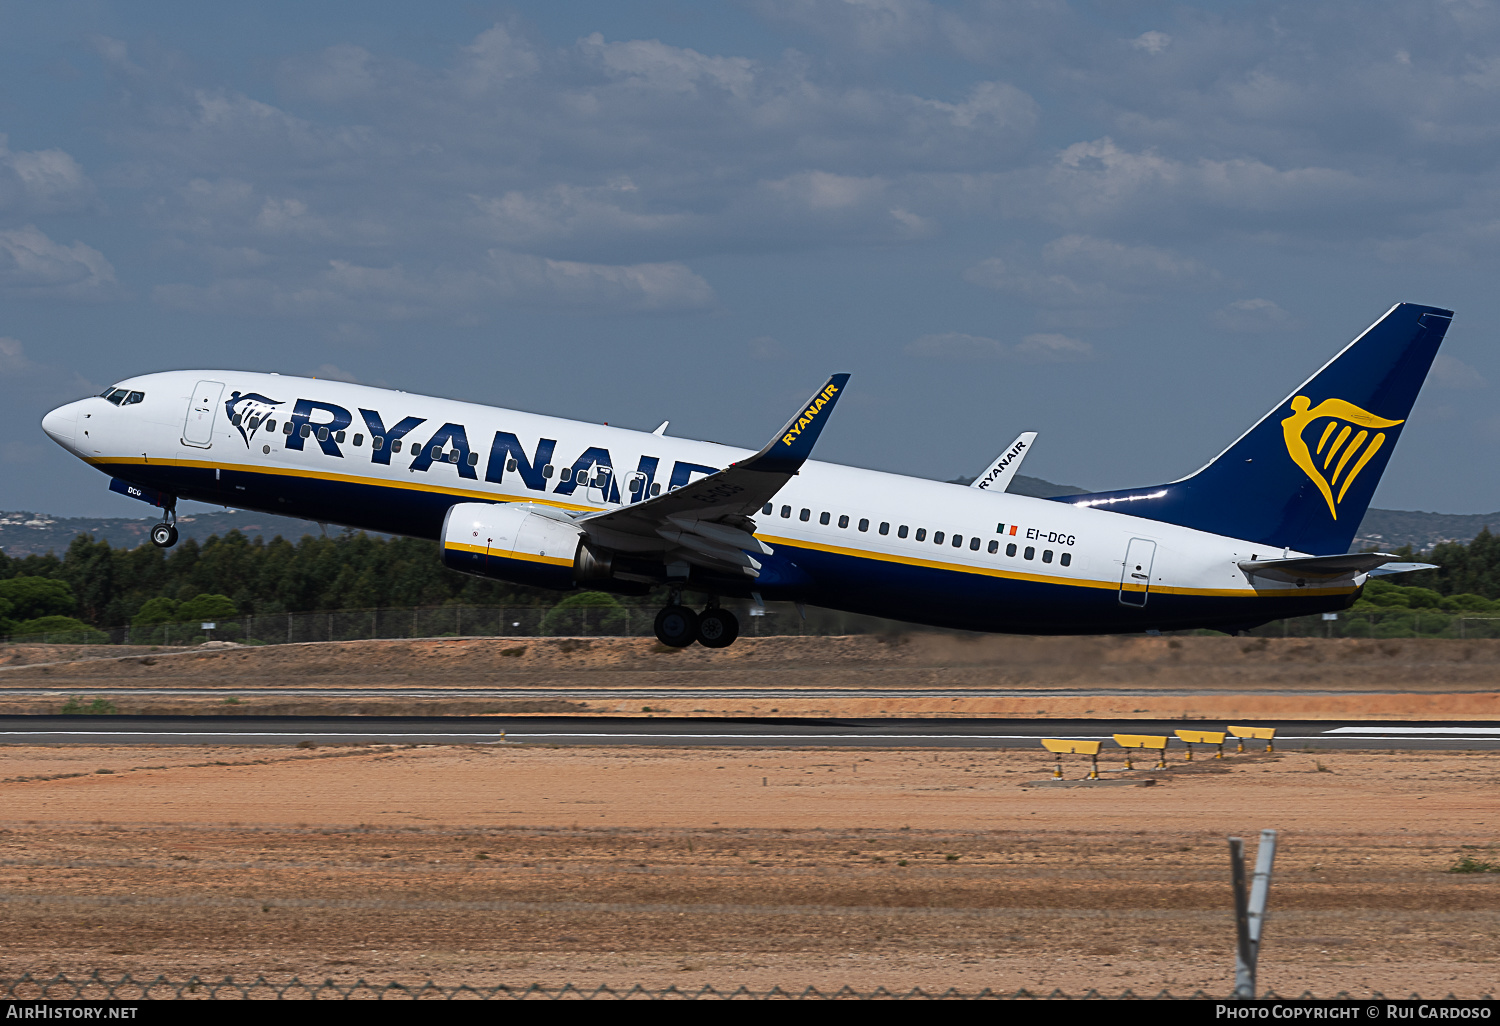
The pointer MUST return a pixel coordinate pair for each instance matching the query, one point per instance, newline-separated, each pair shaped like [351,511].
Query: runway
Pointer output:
[699,732]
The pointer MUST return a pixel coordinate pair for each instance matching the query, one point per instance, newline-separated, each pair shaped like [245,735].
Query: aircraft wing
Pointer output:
[708,522]
[998,476]
[1329,567]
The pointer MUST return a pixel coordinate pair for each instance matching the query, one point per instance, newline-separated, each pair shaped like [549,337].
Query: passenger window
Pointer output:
[1030,553]
[254,423]
[901,531]
[1046,555]
[885,527]
[786,512]
[565,474]
[805,515]
[359,440]
[306,431]
[974,543]
[377,443]
[1067,559]
[473,459]
[339,438]
[656,488]
[1010,550]
[235,420]
[766,509]
[921,534]
[994,547]
[864,525]
[937,537]
[958,541]
[843,521]
[453,456]
[322,434]
[437,452]
[396,445]
[286,428]
[547,472]
[823,519]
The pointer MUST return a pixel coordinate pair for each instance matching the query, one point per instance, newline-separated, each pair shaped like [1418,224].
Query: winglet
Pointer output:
[785,453]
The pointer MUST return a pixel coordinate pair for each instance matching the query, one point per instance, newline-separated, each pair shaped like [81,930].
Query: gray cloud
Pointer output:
[32,265]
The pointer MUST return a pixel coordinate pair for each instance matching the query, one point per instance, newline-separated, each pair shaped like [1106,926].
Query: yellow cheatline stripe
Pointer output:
[480,550]
[464,493]
[315,475]
[1073,582]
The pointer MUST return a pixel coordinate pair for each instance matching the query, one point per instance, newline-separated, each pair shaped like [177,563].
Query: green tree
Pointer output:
[586,612]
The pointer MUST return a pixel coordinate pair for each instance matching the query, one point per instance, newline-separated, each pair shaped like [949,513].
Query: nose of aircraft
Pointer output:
[62,424]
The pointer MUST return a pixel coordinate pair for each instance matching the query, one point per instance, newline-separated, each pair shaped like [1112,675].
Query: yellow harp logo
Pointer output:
[1337,459]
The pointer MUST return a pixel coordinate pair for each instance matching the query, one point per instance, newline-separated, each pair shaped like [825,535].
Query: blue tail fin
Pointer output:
[1303,476]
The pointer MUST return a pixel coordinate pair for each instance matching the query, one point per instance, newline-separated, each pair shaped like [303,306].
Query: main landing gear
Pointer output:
[678,626]
[164,534]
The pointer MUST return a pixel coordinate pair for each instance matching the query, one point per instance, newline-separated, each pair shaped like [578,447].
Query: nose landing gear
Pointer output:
[678,626]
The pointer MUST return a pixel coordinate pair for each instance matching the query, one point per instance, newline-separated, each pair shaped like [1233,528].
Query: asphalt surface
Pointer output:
[705,732]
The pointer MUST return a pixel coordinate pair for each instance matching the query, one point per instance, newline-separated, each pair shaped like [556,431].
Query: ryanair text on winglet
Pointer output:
[808,415]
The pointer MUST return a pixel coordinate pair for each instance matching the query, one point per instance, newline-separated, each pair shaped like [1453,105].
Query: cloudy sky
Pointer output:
[1132,227]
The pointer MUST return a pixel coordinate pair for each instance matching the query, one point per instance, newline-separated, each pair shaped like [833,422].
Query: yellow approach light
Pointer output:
[1338,452]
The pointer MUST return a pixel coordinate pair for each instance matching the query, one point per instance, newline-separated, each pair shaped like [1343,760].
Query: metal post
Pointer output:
[1250,910]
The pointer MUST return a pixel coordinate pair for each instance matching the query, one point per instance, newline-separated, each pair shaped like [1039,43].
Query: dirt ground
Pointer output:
[896,868]
[1224,678]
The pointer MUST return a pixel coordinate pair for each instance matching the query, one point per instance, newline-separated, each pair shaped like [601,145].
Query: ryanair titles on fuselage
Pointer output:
[328,425]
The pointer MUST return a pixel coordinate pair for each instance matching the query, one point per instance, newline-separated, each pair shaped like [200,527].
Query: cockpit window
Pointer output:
[122,396]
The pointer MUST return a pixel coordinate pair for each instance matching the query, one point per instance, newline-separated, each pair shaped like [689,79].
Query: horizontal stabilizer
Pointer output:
[1329,567]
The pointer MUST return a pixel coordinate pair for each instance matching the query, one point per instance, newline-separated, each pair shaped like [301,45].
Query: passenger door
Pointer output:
[198,429]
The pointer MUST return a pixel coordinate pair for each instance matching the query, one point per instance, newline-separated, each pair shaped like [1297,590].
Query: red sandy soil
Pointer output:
[1388,679]
[894,868]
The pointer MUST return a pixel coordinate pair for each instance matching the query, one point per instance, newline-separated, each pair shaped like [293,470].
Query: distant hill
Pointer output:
[25,534]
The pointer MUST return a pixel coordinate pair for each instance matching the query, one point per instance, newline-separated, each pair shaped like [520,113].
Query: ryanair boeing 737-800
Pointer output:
[1261,532]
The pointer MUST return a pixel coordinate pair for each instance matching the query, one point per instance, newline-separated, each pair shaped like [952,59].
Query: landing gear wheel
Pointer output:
[164,536]
[677,626]
[717,628]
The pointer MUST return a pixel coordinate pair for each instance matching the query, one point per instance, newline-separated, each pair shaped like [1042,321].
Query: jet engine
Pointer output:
[517,541]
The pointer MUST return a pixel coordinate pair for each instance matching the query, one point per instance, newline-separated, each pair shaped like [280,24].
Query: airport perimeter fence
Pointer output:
[126,987]
[628,621]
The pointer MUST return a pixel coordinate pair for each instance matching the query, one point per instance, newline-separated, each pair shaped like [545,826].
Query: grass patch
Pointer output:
[98,707]
[1469,864]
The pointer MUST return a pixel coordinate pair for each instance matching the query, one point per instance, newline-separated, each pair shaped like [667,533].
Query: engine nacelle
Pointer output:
[512,542]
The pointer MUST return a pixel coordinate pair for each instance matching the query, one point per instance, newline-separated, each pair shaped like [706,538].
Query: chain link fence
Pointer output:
[96,987]
[633,621]
[452,621]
